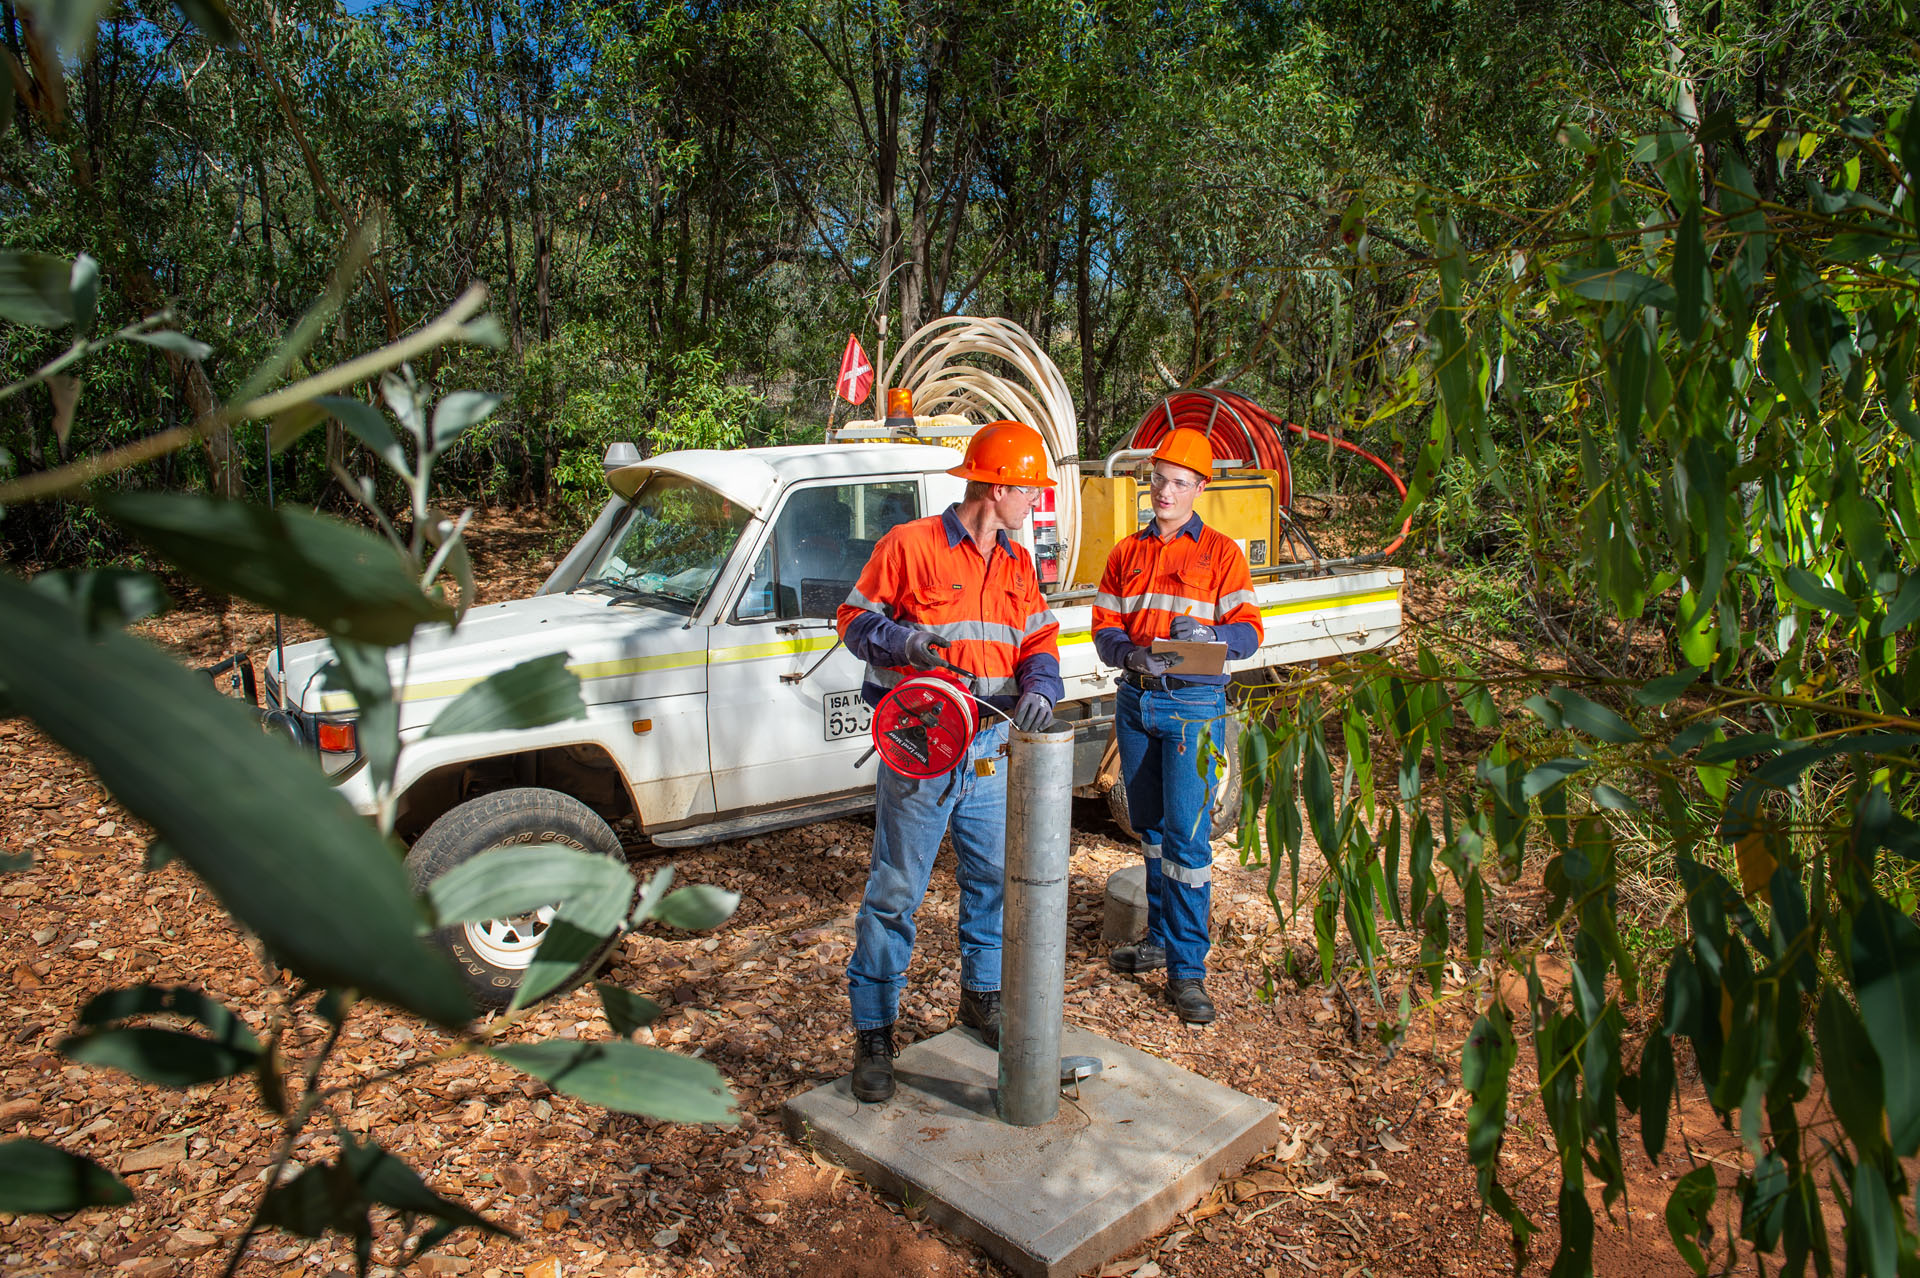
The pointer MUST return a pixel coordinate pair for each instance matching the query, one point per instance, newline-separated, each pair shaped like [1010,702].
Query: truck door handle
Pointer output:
[804,674]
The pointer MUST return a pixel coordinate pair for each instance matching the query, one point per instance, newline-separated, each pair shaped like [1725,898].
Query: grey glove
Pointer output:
[1152,664]
[1032,712]
[1187,630]
[923,649]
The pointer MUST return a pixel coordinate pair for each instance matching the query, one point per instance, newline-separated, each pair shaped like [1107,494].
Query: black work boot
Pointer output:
[1189,998]
[873,1064]
[1142,957]
[980,1010]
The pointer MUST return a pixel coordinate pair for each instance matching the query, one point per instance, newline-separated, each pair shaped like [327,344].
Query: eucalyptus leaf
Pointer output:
[1616,284]
[1811,589]
[652,892]
[627,1077]
[177,343]
[1550,774]
[626,1011]
[1689,1215]
[346,581]
[506,881]
[1855,1086]
[290,425]
[248,812]
[65,393]
[366,424]
[40,1178]
[145,1000]
[1886,964]
[1658,692]
[360,669]
[105,596]
[171,1058]
[697,908]
[1592,718]
[84,290]
[36,289]
[212,18]
[337,1197]
[565,951]
[529,695]
[456,413]
[70,23]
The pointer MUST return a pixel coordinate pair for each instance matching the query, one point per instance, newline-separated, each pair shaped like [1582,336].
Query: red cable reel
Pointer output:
[922,728]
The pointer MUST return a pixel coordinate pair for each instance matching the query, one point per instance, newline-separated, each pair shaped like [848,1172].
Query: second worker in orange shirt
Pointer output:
[1176,578]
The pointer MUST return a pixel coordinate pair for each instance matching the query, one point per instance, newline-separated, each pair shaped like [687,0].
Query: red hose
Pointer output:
[1238,427]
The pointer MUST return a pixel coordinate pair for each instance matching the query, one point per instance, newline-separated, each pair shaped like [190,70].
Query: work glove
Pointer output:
[1150,663]
[1187,630]
[1032,712]
[923,649]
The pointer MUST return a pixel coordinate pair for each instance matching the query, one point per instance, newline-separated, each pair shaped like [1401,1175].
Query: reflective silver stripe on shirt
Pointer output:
[1229,602]
[1190,876]
[1112,603]
[984,687]
[860,601]
[1165,603]
[1151,851]
[982,631]
[1041,619]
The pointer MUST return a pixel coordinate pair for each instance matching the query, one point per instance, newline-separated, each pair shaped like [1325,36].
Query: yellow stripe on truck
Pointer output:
[336,701]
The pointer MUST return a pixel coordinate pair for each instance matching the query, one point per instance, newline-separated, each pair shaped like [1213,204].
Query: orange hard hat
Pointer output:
[1187,447]
[1006,453]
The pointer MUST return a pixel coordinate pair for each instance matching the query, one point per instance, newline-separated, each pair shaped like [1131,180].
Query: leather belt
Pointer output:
[1163,683]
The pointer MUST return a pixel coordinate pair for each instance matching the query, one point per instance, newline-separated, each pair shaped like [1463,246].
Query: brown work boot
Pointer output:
[873,1064]
[1189,998]
[980,1010]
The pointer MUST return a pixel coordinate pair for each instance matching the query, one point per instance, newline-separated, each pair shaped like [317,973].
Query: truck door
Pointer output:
[785,720]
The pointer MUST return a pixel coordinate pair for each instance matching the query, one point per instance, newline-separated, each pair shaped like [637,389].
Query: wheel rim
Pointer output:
[510,942]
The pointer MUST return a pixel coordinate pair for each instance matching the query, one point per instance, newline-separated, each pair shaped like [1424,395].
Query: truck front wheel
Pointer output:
[493,955]
[1226,794]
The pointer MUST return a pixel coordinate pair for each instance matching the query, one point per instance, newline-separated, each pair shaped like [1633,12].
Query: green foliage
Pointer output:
[264,830]
[1738,390]
[39,1178]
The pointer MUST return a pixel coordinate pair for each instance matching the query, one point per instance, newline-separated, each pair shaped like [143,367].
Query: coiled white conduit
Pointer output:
[931,365]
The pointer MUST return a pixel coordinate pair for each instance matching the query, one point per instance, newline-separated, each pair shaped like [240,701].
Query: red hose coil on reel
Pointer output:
[1240,428]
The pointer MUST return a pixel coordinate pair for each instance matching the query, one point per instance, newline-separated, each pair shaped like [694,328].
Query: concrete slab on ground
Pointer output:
[1141,1143]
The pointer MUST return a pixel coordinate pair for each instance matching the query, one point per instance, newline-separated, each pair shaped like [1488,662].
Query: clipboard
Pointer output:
[1195,658]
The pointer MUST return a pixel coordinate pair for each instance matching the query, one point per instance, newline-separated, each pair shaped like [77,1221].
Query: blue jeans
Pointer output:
[1170,803]
[909,819]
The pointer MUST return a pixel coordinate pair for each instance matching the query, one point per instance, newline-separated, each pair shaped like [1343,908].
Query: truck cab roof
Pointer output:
[754,477]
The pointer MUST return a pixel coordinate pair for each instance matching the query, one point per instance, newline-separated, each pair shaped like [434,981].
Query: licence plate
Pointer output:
[846,714]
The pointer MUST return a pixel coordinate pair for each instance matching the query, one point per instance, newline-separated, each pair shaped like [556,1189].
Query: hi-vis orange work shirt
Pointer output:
[928,574]
[1148,582]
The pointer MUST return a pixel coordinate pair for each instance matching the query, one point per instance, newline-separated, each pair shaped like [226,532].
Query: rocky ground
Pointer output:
[1370,1175]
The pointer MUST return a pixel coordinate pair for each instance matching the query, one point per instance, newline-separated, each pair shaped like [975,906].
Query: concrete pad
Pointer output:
[1141,1143]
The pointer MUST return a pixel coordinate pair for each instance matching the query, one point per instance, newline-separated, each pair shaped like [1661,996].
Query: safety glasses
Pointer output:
[1157,480]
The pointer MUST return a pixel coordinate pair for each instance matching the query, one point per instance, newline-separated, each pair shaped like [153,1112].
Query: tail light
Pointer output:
[1046,538]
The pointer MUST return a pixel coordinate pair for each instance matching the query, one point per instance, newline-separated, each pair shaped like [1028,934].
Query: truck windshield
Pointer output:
[673,546]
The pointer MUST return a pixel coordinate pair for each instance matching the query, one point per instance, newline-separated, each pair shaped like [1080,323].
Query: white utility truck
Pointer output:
[698,613]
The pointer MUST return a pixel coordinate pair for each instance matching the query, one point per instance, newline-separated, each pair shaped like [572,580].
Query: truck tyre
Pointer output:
[493,955]
[1226,800]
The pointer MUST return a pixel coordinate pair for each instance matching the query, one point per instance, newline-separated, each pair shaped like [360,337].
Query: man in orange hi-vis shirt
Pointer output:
[954,583]
[1176,578]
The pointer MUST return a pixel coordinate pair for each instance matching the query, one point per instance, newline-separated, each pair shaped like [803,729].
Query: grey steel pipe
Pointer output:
[1034,962]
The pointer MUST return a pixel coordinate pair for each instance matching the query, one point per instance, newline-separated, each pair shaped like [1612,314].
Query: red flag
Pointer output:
[856,373]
